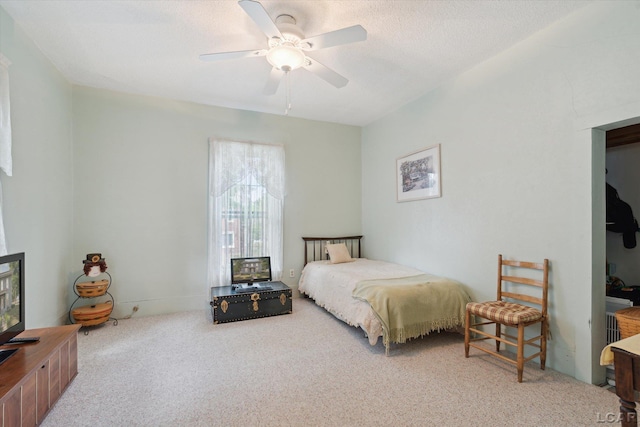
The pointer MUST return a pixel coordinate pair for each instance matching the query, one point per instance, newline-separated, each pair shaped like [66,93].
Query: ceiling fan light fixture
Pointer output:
[286,57]
[287,46]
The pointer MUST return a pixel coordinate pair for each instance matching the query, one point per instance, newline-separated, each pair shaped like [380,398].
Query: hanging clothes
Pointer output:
[620,218]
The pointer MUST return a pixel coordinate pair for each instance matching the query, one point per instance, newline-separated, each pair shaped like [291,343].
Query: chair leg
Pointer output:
[544,329]
[520,355]
[498,332]
[467,337]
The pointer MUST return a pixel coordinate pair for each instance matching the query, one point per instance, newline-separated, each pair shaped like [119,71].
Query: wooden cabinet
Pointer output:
[33,379]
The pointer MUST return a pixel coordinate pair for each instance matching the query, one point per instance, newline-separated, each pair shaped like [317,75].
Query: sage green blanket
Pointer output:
[410,307]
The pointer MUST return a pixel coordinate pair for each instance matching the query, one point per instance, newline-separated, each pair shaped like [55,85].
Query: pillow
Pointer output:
[338,253]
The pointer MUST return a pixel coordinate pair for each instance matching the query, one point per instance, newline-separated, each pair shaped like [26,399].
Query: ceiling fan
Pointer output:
[287,46]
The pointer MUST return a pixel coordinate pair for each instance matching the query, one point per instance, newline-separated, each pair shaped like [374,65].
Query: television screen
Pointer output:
[250,270]
[12,320]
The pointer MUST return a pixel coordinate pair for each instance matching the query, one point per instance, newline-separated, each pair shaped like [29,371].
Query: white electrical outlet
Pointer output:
[292,273]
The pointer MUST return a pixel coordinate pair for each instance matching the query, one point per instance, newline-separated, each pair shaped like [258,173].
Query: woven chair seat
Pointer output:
[504,312]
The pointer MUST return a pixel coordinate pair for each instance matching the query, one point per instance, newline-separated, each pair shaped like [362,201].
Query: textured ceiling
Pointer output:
[152,47]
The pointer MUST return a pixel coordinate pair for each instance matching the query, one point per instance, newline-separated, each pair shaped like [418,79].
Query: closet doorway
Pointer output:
[623,176]
[622,156]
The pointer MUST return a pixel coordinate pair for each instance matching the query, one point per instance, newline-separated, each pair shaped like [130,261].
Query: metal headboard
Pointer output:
[314,247]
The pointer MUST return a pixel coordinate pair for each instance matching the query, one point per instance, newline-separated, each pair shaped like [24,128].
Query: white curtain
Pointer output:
[5,138]
[246,200]
[5,117]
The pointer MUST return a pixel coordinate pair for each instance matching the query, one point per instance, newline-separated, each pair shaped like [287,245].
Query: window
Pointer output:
[246,199]
[228,239]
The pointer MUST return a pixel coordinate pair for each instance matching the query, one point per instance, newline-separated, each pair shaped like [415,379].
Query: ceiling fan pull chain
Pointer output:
[288,93]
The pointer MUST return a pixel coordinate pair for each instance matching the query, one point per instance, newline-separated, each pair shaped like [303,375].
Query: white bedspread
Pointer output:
[332,285]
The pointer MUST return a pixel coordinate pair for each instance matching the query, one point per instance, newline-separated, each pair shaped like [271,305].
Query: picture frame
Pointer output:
[418,175]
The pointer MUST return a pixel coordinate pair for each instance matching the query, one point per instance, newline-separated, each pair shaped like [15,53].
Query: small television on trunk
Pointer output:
[250,270]
[12,300]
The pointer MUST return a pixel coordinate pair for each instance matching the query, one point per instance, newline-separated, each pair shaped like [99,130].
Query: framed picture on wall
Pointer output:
[418,175]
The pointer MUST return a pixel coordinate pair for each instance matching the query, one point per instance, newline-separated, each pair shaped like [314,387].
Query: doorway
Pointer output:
[617,137]
[623,206]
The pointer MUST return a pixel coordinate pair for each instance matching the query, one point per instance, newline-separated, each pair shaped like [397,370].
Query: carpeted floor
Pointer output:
[305,369]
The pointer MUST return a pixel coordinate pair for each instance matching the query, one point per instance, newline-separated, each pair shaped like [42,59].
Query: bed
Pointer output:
[384,299]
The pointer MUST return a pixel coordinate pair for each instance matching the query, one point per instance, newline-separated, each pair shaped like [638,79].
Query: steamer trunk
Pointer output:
[228,305]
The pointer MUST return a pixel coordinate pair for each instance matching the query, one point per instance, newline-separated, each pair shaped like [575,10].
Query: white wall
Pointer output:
[624,176]
[141,171]
[517,158]
[37,199]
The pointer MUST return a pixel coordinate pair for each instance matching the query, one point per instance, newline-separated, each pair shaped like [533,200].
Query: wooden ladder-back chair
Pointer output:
[513,309]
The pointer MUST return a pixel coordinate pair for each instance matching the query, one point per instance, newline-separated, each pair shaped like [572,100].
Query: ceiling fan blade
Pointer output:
[325,73]
[260,16]
[274,81]
[221,56]
[334,38]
